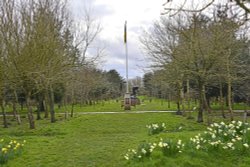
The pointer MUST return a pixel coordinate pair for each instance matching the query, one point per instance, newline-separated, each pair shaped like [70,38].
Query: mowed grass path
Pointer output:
[102,140]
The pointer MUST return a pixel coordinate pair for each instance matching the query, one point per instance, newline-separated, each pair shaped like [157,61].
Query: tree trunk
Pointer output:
[200,112]
[5,123]
[72,110]
[209,118]
[229,98]
[46,112]
[169,100]
[40,106]
[182,102]
[51,105]
[178,100]
[15,111]
[15,114]
[188,99]
[222,101]
[72,104]
[229,87]
[30,112]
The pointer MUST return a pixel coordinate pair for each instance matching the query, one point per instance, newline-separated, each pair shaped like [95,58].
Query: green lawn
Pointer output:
[146,105]
[115,106]
[102,140]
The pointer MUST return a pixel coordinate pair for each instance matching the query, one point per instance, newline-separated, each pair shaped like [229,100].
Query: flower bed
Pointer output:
[9,149]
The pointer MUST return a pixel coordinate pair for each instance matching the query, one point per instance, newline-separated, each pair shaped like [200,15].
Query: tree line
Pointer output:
[200,54]
[43,59]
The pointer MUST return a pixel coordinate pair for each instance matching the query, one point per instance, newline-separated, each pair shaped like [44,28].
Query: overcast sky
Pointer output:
[112,15]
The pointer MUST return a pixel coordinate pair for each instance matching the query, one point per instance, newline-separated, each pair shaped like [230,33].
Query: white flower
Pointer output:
[239,123]
[210,129]
[198,147]
[216,125]
[139,156]
[213,136]
[238,138]
[233,140]
[225,147]
[222,123]
[246,145]
[193,140]
[165,144]
[160,144]
[151,150]
[143,151]
[179,142]
[163,125]
[229,145]
[126,157]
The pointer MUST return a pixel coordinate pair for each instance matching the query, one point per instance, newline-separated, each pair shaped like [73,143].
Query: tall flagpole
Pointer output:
[127,100]
[126,53]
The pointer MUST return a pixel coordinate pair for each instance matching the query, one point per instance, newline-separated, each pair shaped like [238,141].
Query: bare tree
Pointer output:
[242,6]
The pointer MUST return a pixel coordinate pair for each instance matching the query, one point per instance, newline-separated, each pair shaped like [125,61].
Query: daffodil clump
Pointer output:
[169,147]
[8,149]
[144,150]
[232,136]
[219,137]
[156,128]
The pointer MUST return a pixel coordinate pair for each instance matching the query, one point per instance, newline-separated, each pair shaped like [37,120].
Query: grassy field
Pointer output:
[147,104]
[102,141]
